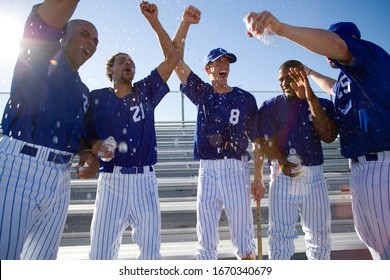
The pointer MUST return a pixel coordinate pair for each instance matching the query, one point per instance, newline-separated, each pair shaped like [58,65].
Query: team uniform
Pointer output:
[363,106]
[289,122]
[42,125]
[127,185]
[224,123]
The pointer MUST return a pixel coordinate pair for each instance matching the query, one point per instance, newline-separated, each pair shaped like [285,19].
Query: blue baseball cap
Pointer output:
[214,54]
[345,28]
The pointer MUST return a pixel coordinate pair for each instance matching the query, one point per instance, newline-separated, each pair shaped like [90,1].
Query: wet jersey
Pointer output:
[129,120]
[363,100]
[225,122]
[46,105]
[289,122]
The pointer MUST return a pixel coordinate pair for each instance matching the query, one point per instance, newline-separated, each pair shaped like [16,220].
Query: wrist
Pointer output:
[86,151]
[309,72]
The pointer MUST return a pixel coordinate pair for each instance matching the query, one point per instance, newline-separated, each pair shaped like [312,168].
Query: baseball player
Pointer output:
[226,117]
[362,101]
[127,185]
[42,125]
[293,124]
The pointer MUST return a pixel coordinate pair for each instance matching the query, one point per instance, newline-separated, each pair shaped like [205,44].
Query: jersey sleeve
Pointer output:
[153,87]
[194,88]
[266,126]
[38,35]
[89,120]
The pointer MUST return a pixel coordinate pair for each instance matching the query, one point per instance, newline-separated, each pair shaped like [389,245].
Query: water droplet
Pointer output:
[122,147]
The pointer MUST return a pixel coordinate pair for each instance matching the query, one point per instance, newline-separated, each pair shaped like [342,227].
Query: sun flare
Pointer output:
[11,28]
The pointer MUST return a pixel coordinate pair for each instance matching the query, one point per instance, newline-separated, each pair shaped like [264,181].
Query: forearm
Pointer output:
[325,83]
[180,38]
[320,41]
[166,44]
[182,70]
[57,13]
[258,158]
[271,151]
[325,127]
[84,146]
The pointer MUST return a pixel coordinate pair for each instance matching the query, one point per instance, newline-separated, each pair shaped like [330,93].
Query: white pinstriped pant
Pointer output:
[289,199]
[123,200]
[34,199]
[370,189]
[224,183]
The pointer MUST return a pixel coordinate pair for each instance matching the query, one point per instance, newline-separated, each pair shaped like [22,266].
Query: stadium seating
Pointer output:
[177,178]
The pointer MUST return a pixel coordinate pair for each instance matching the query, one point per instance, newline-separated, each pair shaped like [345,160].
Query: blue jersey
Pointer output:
[225,122]
[289,122]
[129,120]
[363,100]
[47,99]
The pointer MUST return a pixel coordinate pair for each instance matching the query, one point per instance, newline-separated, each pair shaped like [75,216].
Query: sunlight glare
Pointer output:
[11,29]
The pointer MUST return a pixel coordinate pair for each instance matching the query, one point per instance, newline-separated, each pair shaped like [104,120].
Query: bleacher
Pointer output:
[177,178]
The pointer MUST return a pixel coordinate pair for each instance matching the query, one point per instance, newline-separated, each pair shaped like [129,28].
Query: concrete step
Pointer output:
[186,250]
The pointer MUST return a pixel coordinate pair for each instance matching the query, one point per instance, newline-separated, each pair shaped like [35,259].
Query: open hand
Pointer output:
[301,84]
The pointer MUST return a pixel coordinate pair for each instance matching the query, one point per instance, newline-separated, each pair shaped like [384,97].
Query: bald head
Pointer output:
[79,42]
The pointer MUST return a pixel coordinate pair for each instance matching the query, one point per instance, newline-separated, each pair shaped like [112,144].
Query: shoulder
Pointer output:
[274,101]
[100,91]
[36,27]
[153,77]
[244,93]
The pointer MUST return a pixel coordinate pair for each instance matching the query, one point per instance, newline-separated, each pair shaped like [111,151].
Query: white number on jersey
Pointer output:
[345,86]
[234,116]
[139,113]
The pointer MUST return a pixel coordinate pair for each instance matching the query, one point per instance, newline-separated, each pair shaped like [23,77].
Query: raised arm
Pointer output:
[324,82]
[57,13]
[320,41]
[191,15]
[165,69]
[324,125]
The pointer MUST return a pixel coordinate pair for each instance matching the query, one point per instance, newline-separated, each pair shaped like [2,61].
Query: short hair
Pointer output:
[110,63]
[292,63]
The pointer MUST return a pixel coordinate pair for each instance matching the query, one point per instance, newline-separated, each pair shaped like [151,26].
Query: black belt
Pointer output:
[126,169]
[57,158]
[368,157]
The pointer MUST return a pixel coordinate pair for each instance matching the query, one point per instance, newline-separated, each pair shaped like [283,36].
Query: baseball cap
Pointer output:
[214,54]
[345,28]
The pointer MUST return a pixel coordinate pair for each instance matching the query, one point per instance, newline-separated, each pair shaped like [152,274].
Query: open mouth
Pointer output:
[223,74]
[128,71]
[86,52]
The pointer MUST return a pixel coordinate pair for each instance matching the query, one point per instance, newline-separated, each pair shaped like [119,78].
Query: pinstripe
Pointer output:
[35,196]
[224,183]
[123,200]
[307,198]
[370,188]
[209,209]
[45,235]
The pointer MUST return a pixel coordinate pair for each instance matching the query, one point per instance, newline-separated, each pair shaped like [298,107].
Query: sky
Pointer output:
[123,28]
